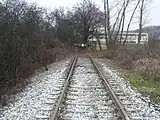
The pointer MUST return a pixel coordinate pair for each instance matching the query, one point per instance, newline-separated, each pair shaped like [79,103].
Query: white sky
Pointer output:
[51,4]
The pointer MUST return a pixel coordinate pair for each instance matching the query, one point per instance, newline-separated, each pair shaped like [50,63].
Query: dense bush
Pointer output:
[144,62]
[31,36]
[27,41]
[149,68]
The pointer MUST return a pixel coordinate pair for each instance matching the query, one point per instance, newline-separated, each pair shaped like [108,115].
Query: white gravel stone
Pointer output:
[87,98]
[33,97]
[147,109]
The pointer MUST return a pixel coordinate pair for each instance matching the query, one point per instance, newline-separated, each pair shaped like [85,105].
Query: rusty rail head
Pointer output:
[118,104]
[69,75]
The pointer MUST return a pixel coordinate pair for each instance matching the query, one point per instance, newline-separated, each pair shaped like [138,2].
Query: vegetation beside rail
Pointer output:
[146,87]
[28,41]
[140,67]
[33,36]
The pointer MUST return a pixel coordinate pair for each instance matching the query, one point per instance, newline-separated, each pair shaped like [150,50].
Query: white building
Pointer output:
[132,38]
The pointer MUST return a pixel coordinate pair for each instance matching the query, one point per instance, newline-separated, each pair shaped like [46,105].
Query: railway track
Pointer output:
[87,94]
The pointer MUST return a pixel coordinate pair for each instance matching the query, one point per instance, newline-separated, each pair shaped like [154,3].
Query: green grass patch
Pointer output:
[146,87]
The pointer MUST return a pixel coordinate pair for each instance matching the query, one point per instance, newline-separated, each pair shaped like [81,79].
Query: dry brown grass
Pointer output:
[144,62]
[141,68]
[148,67]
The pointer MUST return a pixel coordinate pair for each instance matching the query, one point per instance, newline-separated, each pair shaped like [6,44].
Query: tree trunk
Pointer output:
[123,17]
[108,23]
[130,22]
[140,22]
[86,34]
[115,37]
[123,21]
[99,43]
[105,25]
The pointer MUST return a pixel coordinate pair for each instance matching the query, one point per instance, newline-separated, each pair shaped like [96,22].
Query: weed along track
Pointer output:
[88,95]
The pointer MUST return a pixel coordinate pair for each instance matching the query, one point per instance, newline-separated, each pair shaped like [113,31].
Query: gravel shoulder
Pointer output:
[87,98]
[149,109]
[27,103]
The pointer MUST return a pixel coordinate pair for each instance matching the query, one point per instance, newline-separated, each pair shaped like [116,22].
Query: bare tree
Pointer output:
[86,18]
[116,23]
[105,24]
[22,43]
[120,20]
[128,26]
[126,3]
[142,20]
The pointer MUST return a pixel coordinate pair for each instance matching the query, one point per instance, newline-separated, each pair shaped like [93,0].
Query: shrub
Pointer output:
[149,68]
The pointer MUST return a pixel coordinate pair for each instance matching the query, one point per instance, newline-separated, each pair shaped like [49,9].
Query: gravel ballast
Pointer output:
[148,110]
[33,97]
[45,87]
[87,98]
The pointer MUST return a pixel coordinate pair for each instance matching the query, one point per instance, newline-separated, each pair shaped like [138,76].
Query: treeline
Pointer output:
[29,35]
[27,41]
[120,15]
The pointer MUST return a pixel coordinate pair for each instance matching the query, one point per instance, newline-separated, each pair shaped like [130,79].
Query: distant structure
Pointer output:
[156,34]
[132,38]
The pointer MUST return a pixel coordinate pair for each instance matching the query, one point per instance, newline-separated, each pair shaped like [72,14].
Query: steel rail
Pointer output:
[118,104]
[56,110]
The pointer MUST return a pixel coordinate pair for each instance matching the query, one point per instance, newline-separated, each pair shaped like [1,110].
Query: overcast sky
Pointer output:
[51,4]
